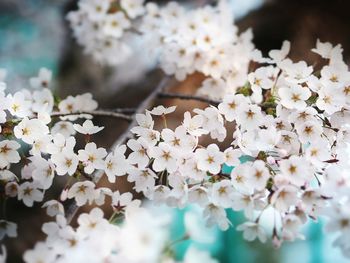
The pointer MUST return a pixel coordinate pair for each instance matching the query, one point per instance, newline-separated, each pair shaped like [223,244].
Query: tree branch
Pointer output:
[146,104]
[104,113]
[70,206]
[168,95]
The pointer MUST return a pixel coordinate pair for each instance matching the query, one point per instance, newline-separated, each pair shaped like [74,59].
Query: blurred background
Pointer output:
[35,34]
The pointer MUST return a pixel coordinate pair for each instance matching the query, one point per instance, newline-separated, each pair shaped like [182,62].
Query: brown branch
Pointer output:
[104,113]
[146,104]
[168,95]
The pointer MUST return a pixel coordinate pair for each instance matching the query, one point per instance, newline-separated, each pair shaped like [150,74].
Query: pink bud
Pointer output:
[271,160]
[276,242]
[64,195]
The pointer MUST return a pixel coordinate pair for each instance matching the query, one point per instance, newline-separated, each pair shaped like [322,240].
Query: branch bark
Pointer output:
[104,113]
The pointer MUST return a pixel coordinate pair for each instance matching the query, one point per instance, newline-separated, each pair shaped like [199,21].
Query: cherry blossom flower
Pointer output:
[193,124]
[231,105]
[221,193]
[210,159]
[8,153]
[82,192]
[87,128]
[251,231]
[139,154]
[19,105]
[66,162]
[30,130]
[115,24]
[133,8]
[42,80]
[164,158]
[53,208]
[294,97]
[92,157]
[29,193]
[161,110]
[144,179]
[7,228]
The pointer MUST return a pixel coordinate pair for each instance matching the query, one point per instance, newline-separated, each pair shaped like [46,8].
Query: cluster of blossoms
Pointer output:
[202,40]
[185,41]
[285,162]
[140,232]
[288,155]
[104,27]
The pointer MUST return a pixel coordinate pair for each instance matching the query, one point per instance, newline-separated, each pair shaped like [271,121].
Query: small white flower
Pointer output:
[43,101]
[193,255]
[210,159]
[164,158]
[285,197]
[92,157]
[82,192]
[61,143]
[309,131]
[87,128]
[91,222]
[232,156]
[259,175]
[161,110]
[221,193]
[116,163]
[279,55]
[193,124]
[7,228]
[145,120]
[63,127]
[7,176]
[251,231]
[30,130]
[101,194]
[115,24]
[294,97]
[120,201]
[53,208]
[298,171]
[139,154]
[43,172]
[144,179]
[240,177]
[40,253]
[250,116]
[42,80]
[8,153]
[133,8]
[19,105]
[231,105]
[29,193]
[179,139]
[66,162]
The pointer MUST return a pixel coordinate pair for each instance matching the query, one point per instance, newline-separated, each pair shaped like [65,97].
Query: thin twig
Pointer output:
[168,95]
[104,113]
[124,110]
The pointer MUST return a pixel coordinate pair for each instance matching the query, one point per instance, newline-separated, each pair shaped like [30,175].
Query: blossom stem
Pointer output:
[103,113]
[164,121]
[183,238]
